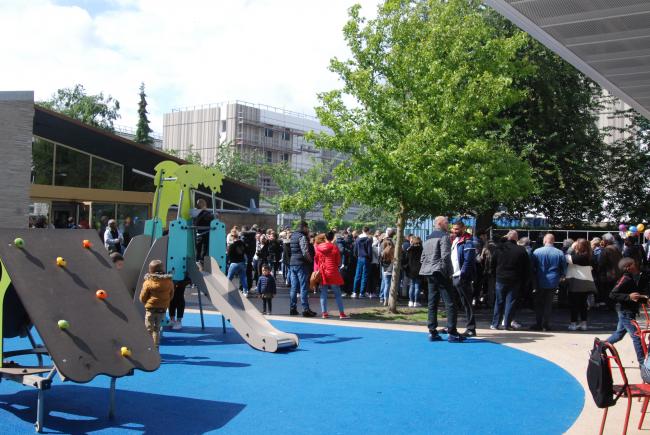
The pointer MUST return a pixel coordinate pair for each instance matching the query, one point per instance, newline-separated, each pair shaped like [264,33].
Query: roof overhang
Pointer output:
[607,40]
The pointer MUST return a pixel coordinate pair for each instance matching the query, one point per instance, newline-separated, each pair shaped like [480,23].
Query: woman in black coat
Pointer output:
[413,264]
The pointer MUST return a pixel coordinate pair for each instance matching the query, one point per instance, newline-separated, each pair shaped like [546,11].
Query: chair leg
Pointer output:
[627,415]
[644,409]
[602,423]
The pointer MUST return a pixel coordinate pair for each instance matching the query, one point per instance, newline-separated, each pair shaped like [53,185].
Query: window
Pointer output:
[71,168]
[269,157]
[42,161]
[105,175]
[223,125]
[140,183]
[131,218]
[285,157]
[268,132]
[286,134]
[102,212]
[266,183]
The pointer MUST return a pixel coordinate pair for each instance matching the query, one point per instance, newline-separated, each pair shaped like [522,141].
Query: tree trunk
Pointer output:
[397,261]
[484,220]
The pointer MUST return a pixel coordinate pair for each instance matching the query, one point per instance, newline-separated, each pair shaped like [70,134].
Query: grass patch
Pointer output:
[409,315]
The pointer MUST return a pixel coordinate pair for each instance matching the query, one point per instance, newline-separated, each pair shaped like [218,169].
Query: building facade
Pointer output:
[266,134]
[59,168]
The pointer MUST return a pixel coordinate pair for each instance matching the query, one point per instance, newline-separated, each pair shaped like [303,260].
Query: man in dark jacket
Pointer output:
[463,260]
[436,267]
[298,274]
[363,252]
[201,224]
[511,266]
[249,237]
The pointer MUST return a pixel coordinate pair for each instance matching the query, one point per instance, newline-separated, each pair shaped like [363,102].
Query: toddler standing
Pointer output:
[266,288]
[157,291]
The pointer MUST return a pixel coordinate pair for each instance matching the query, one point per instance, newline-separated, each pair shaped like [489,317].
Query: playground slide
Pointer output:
[239,311]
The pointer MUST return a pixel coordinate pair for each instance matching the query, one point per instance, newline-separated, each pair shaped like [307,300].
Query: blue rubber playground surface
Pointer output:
[341,380]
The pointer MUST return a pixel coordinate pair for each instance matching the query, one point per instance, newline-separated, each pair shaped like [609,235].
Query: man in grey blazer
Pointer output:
[437,268]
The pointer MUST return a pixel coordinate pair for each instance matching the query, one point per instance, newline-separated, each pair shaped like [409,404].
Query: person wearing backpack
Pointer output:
[629,293]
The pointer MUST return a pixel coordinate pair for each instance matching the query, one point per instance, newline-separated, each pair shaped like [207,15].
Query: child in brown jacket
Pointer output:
[157,291]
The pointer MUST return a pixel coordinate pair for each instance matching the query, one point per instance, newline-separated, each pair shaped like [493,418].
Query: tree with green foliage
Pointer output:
[300,191]
[429,80]
[96,110]
[625,173]
[237,166]
[143,131]
[554,129]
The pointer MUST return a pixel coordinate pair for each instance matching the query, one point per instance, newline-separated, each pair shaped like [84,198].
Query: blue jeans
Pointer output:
[298,281]
[238,269]
[414,290]
[503,307]
[361,275]
[323,297]
[625,326]
[384,291]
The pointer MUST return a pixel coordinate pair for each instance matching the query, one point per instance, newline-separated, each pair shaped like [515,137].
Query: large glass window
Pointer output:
[71,168]
[102,212]
[131,218]
[140,183]
[42,161]
[105,175]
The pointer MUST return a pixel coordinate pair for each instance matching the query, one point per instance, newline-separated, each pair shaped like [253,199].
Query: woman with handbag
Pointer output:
[580,282]
[326,273]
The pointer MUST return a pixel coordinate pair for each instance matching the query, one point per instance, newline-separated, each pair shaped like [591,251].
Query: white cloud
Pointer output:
[274,52]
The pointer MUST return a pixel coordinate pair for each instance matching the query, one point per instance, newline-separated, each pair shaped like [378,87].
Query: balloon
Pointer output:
[640,228]
[633,229]
[622,227]
[629,234]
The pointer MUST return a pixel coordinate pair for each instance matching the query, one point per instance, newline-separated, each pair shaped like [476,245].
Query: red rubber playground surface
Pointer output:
[341,380]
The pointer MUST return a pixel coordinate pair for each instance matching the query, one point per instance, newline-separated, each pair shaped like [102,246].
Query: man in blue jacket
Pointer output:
[363,252]
[550,267]
[299,278]
[463,261]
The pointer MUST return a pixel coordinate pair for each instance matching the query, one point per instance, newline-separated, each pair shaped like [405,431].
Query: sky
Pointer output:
[189,53]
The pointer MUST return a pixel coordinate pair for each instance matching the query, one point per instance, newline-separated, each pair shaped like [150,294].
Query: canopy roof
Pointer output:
[608,40]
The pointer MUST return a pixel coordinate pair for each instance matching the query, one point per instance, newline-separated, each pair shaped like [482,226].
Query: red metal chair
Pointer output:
[627,390]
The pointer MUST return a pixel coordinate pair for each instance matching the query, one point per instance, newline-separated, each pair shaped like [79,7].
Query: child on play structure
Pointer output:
[157,291]
[266,288]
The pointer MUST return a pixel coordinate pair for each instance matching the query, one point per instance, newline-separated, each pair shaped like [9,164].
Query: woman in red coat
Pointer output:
[327,260]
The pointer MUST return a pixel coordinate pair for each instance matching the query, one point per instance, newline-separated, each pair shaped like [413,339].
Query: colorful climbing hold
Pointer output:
[19,243]
[86,244]
[101,294]
[63,324]
[60,261]
[125,351]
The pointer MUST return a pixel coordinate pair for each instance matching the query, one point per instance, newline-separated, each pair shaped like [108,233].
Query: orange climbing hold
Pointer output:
[101,294]
[87,244]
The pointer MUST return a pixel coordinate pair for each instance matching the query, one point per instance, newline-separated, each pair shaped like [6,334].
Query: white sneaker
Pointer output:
[354,296]
[177,325]
[573,327]
[370,296]
[381,301]
[417,304]
[515,325]
[410,304]
[583,326]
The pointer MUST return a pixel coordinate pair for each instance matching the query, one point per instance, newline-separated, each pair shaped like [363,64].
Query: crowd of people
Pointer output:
[467,272]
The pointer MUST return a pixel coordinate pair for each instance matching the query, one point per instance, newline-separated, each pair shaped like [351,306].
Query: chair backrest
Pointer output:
[611,354]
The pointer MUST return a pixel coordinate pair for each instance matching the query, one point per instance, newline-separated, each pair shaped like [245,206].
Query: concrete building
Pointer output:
[270,134]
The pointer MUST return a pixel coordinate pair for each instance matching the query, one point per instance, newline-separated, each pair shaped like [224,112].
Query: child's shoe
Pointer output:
[573,326]
[326,315]
[410,304]
[582,326]
[342,315]
[177,325]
